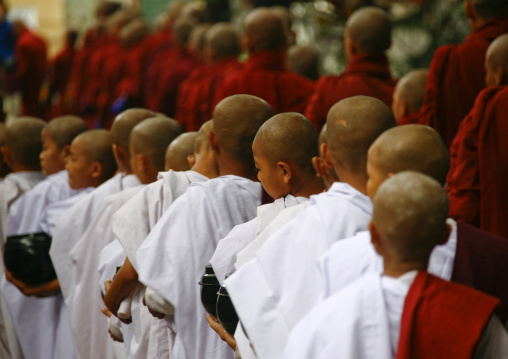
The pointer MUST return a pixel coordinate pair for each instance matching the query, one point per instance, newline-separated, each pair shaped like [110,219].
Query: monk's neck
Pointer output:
[307,187]
[394,268]
[237,168]
[205,170]
[357,181]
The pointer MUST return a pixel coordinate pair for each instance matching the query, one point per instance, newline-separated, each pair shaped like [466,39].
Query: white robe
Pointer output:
[88,325]
[224,258]
[362,321]
[172,259]
[131,225]
[282,283]
[11,188]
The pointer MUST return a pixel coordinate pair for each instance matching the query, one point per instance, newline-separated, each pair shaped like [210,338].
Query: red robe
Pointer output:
[196,96]
[442,319]
[61,67]
[151,75]
[409,119]
[476,188]
[366,74]
[456,76]
[30,53]
[264,75]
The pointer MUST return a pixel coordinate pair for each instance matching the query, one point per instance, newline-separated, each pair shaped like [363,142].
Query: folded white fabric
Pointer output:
[158,304]
[124,312]
[114,328]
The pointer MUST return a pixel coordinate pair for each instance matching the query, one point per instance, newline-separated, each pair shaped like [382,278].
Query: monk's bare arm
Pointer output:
[44,290]
[124,283]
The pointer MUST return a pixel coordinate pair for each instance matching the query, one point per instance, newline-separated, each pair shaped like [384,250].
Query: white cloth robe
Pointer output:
[362,321]
[173,257]
[88,325]
[131,225]
[11,188]
[39,321]
[348,260]
[224,258]
[264,290]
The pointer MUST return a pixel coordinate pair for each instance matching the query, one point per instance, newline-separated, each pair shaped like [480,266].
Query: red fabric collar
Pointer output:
[491,29]
[375,65]
[271,60]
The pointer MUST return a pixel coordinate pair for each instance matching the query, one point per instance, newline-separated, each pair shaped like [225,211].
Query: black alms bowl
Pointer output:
[226,312]
[26,256]
[209,288]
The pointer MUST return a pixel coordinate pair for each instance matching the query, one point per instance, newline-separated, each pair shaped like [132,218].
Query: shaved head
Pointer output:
[304,60]
[134,32]
[178,151]
[323,138]
[222,39]
[353,124]
[288,137]
[152,137]
[490,8]
[197,37]
[63,129]
[97,147]
[411,88]
[265,30]
[23,139]
[125,122]
[371,29]
[236,120]
[411,148]
[497,56]
[410,211]
[182,29]
[202,142]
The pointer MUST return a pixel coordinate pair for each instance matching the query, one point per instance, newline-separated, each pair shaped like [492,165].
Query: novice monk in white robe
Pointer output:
[405,312]
[42,323]
[172,259]
[57,135]
[147,142]
[267,306]
[20,151]
[131,225]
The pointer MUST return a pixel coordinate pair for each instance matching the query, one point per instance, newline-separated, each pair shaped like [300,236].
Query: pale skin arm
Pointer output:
[117,290]
[225,336]
[45,290]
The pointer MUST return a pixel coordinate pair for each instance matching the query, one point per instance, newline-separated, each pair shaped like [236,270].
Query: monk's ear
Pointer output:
[286,171]
[65,152]
[375,238]
[192,160]
[6,153]
[120,153]
[214,141]
[325,155]
[319,166]
[499,78]
[97,170]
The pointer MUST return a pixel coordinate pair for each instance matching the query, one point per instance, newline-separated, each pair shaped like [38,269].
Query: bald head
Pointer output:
[23,139]
[371,29]
[62,130]
[490,8]
[178,151]
[182,29]
[125,122]
[236,120]
[304,60]
[222,40]
[264,30]
[120,19]
[353,124]
[322,136]
[410,89]
[134,32]
[97,147]
[202,143]
[497,61]
[410,211]
[288,137]
[416,148]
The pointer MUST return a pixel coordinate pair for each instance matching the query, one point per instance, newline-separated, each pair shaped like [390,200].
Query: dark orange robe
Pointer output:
[365,74]
[456,76]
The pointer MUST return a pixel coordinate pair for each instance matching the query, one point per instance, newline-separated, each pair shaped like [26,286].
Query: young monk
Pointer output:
[408,97]
[409,313]
[57,135]
[133,222]
[194,224]
[323,168]
[45,332]
[147,142]
[264,73]
[353,124]
[457,72]
[366,39]
[180,153]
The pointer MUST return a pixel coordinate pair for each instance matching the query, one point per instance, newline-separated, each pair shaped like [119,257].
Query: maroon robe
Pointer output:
[442,319]
[60,73]
[456,76]
[31,61]
[365,74]
[409,119]
[476,187]
[265,76]
[196,96]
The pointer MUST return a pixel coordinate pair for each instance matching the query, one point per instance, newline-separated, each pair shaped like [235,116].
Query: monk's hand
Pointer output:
[155,313]
[217,327]
[106,312]
[45,290]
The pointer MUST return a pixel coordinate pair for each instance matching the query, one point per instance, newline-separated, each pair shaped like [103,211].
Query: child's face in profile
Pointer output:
[52,158]
[79,167]
[269,174]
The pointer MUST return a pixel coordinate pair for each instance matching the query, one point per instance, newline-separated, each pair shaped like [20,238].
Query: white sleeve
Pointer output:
[493,343]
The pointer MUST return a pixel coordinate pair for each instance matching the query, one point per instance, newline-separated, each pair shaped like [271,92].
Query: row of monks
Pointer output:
[341,227]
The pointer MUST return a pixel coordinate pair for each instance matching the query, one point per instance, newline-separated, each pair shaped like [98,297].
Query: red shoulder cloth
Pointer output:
[442,319]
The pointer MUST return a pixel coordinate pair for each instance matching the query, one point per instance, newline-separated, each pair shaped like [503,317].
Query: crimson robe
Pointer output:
[30,53]
[265,75]
[61,67]
[456,76]
[365,74]
[409,119]
[152,74]
[196,96]
[476,187]
[442,319]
